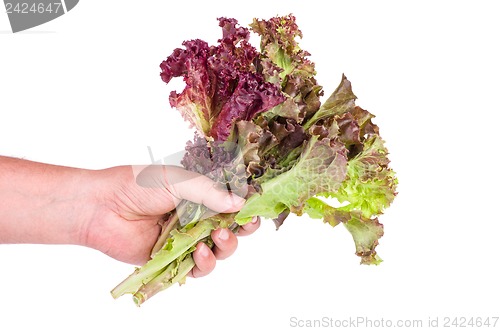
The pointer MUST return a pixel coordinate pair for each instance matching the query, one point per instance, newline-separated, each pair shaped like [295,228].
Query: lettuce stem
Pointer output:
[178,244]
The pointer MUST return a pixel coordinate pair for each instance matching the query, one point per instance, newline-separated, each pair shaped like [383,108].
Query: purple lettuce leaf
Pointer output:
[222,82]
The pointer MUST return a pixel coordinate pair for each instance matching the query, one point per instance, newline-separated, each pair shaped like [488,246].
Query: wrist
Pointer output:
[93,199]
[82,204]
[101,188]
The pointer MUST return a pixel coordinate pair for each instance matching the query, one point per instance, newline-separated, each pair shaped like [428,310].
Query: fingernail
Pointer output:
[234,200]
[255,219]
[203,251]
[223,234]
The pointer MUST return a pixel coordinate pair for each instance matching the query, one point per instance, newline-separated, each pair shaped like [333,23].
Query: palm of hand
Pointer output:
[128,224]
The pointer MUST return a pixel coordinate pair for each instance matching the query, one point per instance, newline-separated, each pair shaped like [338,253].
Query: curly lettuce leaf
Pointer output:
[223,84]
[318,209]
[365,231]
[285,62]
[195,102]
[278,43]
[220,161]
[340,101]
[321,168]
[370,186]
[250,97]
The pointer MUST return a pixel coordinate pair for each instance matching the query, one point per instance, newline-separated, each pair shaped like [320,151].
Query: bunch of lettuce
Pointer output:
[263,132]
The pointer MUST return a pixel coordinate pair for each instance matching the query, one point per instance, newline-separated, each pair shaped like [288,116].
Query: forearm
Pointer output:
[42,203]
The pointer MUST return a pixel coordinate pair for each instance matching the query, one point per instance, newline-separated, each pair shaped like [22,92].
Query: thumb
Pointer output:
[182,184]
[187,185]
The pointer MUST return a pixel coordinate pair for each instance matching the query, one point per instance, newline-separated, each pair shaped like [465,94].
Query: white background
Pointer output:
[84,91]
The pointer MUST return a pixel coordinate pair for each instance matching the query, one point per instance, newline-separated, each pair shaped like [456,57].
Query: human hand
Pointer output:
[127,222]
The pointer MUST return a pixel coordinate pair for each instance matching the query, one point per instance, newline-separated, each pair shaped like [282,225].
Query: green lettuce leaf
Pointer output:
[365,231]
[320,168]
[319,209]
[370,186]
